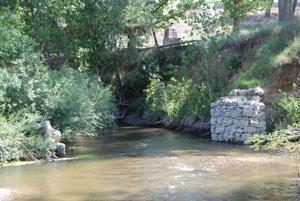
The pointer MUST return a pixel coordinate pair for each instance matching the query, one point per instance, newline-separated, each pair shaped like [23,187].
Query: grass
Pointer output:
[281,47]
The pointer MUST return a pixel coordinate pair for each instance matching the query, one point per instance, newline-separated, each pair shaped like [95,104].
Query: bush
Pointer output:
[288,109]
[289,106]
[178,98]
[279,141]
[77,102]
[15,130]
[30,92]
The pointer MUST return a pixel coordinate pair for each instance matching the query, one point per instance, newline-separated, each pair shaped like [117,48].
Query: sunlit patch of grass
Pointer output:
[282,46]
[289,53]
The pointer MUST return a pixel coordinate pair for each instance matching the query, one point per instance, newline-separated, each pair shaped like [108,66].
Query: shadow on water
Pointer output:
[151,142]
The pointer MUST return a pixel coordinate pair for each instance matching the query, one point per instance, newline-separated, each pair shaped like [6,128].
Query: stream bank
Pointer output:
[185,124]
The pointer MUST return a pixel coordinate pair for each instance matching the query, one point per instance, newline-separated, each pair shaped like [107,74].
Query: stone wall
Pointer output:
[239,116]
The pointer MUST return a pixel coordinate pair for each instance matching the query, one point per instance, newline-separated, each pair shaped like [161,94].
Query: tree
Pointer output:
[238,9]
[268,9]
[286,9]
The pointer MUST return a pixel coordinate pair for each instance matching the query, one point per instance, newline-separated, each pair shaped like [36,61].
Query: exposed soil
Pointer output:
[283,80]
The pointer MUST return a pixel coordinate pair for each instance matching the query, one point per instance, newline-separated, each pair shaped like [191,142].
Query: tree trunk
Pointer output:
[268,13]
[269,8]
[236,21]
[286,10]
[295,6]
[118,86]
[155,38]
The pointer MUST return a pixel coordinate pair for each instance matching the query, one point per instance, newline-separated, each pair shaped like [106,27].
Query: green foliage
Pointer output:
[206,19]
[289,108]
[276,141]
[15,131]
[178,98]
[38,146]
[281,140]
[30,93]
[87,34]
[77,102]
[186,79]
[238,9]
[280,47]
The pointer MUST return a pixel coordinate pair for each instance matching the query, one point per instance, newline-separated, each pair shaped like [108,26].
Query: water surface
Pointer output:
[141,164]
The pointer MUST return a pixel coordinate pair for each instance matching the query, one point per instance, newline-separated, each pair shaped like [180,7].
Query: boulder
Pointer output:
[60,149]
[48,131]
[252,92]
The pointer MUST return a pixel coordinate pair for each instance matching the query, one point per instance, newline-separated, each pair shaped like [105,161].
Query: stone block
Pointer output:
[242,122]
[220,129]
[262,125]
[213,120]
[227,121]
[214,137]
[239,116]
[254,122]
[250,130]
[248,111]
[236,113]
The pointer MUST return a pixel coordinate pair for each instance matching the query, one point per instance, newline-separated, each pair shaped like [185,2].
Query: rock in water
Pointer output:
[60,149]
[57,148]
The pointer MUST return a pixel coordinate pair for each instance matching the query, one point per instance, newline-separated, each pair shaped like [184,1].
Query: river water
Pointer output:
[137,164]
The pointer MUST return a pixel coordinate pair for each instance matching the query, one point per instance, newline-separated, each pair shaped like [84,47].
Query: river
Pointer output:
[143,164]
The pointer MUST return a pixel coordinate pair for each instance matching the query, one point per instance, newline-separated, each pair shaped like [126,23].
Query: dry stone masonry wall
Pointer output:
[239,116]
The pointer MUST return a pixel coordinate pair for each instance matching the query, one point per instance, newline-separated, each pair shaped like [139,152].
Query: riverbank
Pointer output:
[23,163]
[185,124]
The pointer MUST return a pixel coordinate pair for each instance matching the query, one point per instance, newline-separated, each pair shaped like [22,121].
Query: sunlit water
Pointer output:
[155,164]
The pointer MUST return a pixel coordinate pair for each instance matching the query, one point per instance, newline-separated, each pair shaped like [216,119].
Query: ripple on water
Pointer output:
[5,193]
[184,168]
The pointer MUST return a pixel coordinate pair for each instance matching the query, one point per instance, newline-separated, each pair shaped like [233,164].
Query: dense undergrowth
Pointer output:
[179,82]
[30,92]
[182,82]
[286,137]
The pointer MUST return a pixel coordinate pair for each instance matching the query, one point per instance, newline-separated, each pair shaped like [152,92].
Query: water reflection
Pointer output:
[154,164]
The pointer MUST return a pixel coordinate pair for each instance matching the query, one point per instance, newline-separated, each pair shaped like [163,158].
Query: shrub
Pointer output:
[15,130]
[77,102]
[280,140]
[289,106]
[178,98]
[30,93]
